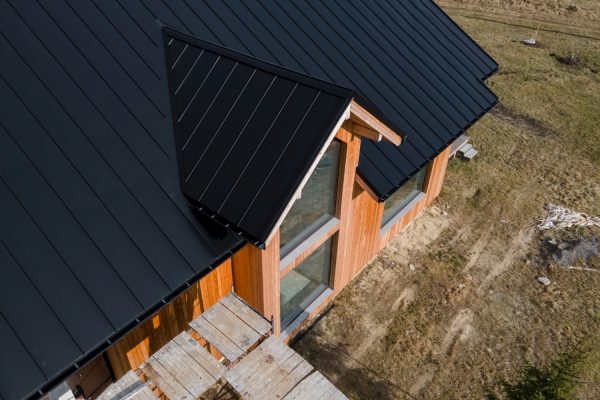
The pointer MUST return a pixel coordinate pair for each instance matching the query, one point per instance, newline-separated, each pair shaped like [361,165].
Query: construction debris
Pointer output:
[561,218]
[532,41]
[544,281]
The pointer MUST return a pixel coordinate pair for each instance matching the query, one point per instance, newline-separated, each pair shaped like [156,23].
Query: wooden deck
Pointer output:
[129,387]
[255,365]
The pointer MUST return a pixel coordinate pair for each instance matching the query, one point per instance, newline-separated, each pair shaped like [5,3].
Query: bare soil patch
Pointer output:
[578,249]
[522,121]
[571,60]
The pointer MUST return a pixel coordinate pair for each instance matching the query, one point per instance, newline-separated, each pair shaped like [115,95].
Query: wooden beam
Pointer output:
[341,266]
[366,187]
[366,132]
[363,117]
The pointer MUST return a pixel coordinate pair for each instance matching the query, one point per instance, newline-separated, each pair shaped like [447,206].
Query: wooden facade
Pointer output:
[152,334]
[255,274]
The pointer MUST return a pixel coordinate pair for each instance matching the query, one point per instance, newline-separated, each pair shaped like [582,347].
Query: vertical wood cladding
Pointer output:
[256,278]
[366,239]
[255,273]
[152,334]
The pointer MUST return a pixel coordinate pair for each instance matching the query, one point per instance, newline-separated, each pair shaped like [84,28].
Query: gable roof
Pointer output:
[248,132]
[96,232]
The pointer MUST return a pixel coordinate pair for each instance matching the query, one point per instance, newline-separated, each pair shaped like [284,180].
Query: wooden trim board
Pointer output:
[364,118]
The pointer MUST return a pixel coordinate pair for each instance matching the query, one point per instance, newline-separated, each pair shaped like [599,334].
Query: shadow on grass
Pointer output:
[354,379]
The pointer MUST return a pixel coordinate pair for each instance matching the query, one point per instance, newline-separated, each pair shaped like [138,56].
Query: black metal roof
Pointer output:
[247,132]
[450,61]
[95,230]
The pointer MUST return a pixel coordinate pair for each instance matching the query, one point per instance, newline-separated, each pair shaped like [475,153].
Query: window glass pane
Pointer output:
[302,285]
[401,197]
[316,204]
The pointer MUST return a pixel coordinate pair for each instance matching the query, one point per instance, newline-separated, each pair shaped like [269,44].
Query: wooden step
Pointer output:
[470,154]
[182,369]
[465,148]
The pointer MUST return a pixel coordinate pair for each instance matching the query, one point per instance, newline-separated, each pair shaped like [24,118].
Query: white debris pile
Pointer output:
[561,217]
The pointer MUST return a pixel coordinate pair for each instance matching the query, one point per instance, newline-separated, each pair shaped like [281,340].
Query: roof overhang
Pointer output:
[367,125]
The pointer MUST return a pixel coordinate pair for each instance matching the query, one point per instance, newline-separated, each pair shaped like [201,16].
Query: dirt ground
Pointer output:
[452,306]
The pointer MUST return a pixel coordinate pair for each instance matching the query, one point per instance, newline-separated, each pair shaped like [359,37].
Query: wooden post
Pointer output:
[256,278]
[341,272]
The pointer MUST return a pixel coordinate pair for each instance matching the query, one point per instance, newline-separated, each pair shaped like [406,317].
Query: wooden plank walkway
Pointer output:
[314,387]
[231,327]
[129,387]
[275,371]
[259,366]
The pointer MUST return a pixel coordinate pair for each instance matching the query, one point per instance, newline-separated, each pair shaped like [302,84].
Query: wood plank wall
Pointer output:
[152,334]
[255,273]
[366,239]
[256,278]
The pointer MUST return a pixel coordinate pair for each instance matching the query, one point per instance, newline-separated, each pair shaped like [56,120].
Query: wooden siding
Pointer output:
[256,278]
[256,274]
[153,333]
[357,238]
[365,239]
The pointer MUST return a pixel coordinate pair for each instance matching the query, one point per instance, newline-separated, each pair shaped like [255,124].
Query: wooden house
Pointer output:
[157,155]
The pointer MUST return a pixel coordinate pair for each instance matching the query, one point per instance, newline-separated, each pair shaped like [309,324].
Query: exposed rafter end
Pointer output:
[367,125]
[360,130]
[366,187]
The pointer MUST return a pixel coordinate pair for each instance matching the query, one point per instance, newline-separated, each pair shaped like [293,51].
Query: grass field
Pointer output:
[471,314]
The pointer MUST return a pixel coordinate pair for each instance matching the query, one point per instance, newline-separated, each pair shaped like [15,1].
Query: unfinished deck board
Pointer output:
[268,370]
[165,382]
[267,377]
[270,374]
[215,337]
[246,314]
[200,355]
[268,350]
[184,369]
[315,387]
[129,387]
[296,375]
[231,326]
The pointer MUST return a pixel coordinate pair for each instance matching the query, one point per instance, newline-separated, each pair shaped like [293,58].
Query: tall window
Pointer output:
[311,218]
[303,285]
[397,202]
[316,204]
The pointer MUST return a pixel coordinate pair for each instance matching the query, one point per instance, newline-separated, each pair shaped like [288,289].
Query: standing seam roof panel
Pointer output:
[217,103]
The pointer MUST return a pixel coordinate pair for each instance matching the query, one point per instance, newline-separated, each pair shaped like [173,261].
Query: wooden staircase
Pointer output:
[462,149]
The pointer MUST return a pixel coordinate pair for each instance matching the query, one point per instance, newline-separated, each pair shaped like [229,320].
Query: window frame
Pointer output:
[311,235]
[294,256]
[319,298]
[416,198]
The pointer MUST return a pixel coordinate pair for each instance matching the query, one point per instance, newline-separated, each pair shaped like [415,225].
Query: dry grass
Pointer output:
[472,313]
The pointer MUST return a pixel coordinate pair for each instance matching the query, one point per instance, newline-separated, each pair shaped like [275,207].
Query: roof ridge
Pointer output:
[259,63]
